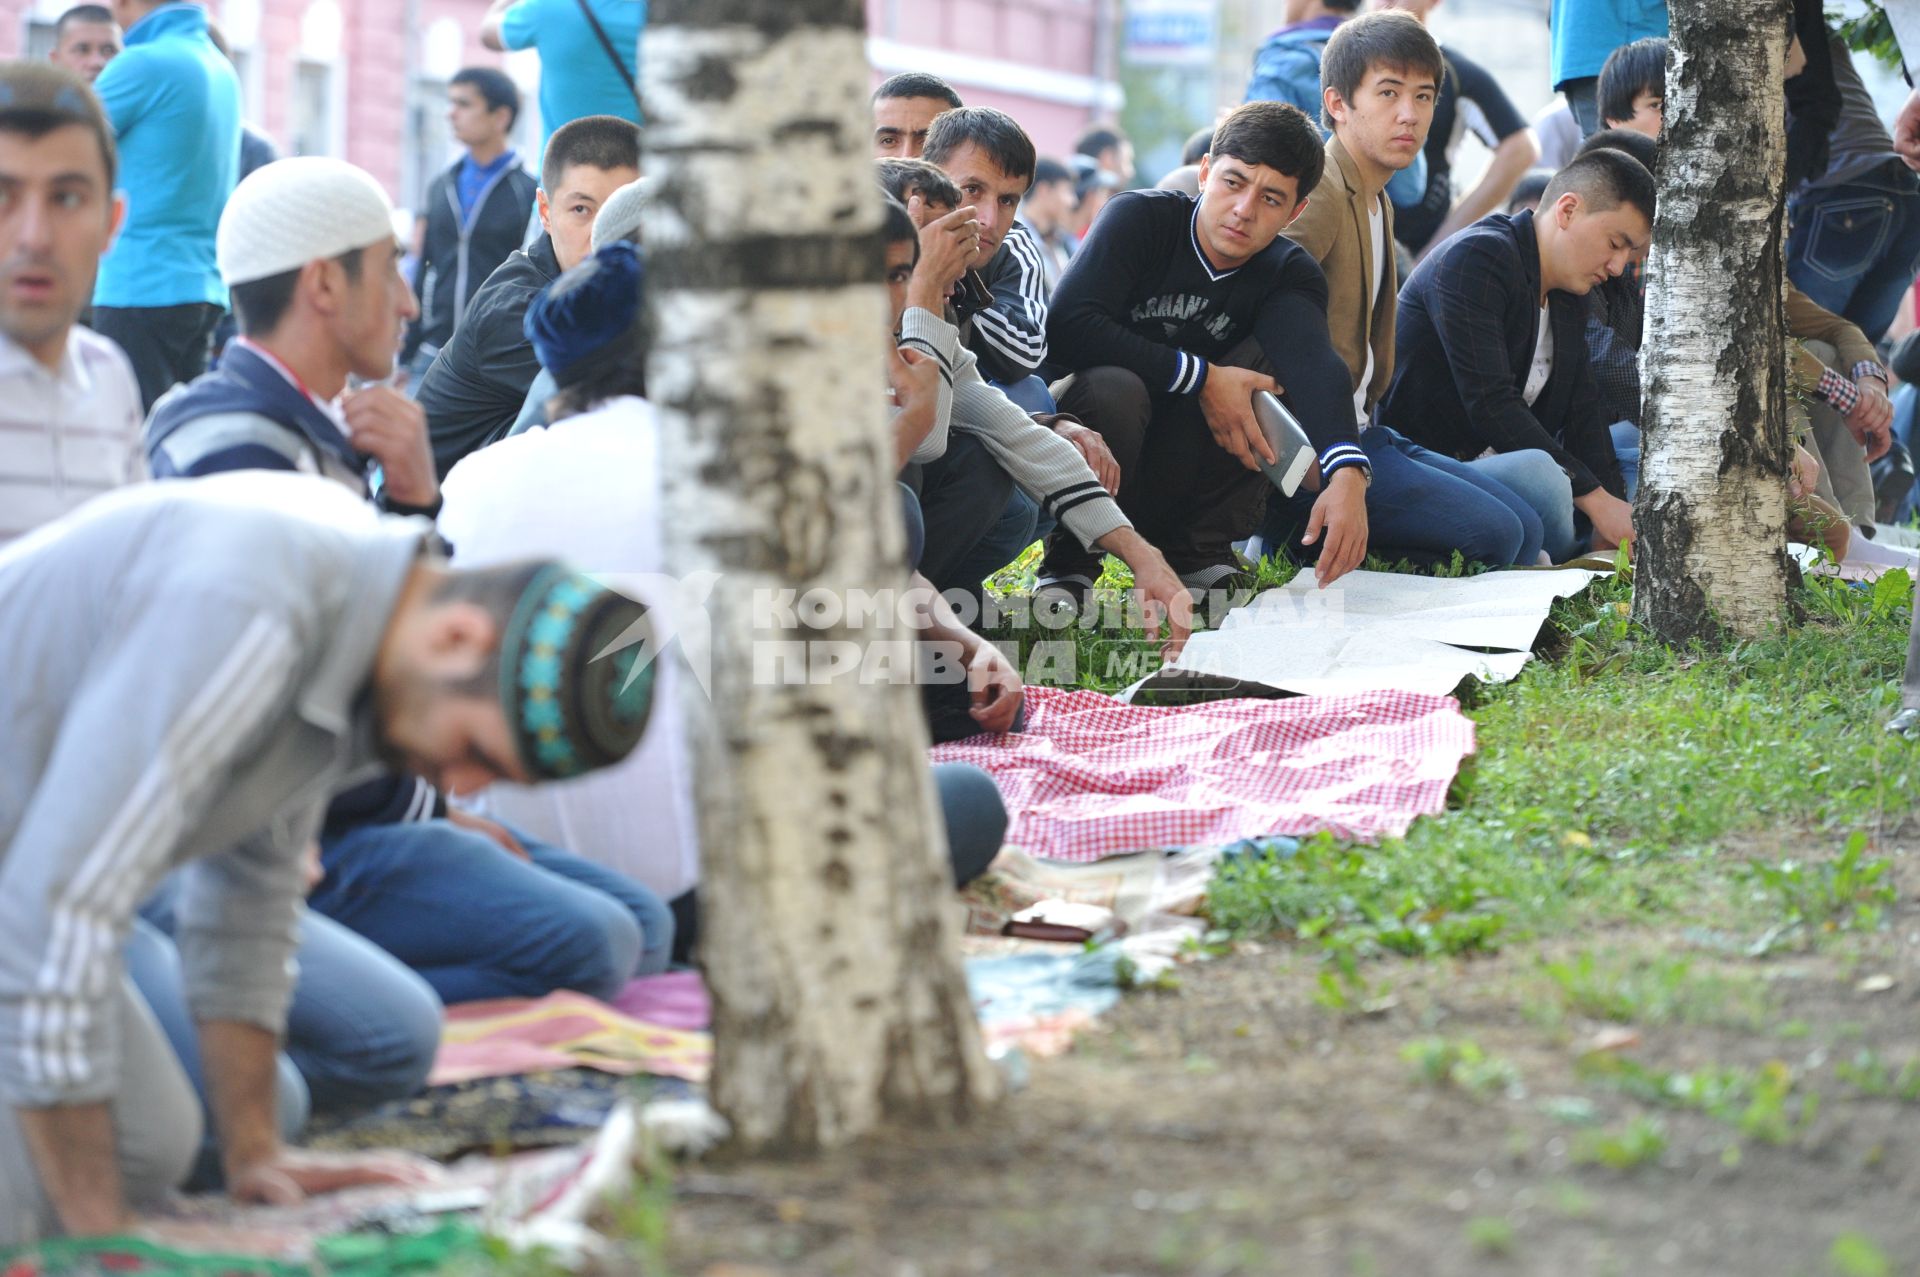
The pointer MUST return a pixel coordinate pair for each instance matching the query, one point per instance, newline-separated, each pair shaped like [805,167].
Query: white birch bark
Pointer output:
[1711,514]
[828,930]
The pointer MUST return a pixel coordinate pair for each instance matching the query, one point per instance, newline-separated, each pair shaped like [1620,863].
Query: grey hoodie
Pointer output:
[186,665]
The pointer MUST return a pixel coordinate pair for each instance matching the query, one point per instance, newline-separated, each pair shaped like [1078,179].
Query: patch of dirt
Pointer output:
[1235,1126]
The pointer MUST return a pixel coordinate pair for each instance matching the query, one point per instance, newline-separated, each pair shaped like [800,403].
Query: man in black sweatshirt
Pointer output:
[1172,314]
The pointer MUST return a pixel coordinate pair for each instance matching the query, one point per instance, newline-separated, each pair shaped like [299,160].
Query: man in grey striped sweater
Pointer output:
[196,668]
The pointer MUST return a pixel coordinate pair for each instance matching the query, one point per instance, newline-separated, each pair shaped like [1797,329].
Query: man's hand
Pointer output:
[1906,131]
[1094,448]
[491,829]
[947,245]
[1227,402]
[1341,512]
[290,1175]
[915,378]
[392,429]
[1803,473]
[1871,421]
[1163,596]
[996,688]
[1611,517]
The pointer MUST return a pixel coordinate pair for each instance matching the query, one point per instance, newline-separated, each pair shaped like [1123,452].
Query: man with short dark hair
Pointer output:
[1004,320]
[272,639]
[903,109]
[1287,69]
[476,211]
[1631,92]
[1382,72]
[85,39]
[174,102]
[1046,212]
[1470,100]
[476,386]
[1173,313]
[1110,149]
[69,405]
[1491,345]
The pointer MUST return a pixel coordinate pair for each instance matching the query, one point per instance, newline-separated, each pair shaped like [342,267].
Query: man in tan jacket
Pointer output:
[1379,76]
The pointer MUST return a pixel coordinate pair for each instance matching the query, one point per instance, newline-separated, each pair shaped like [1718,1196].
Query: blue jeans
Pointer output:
[1626,448]
[974,815]
[478,922]
[1537,479]
[1423,506]
[1854,247]
[1030,393]
[361,1030]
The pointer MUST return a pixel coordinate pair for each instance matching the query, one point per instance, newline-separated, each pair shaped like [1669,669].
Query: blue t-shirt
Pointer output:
[576,75]
[174,102]
[1584,32]
[473,178]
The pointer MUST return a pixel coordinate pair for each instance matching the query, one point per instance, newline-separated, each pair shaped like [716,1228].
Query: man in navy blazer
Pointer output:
[1491,351]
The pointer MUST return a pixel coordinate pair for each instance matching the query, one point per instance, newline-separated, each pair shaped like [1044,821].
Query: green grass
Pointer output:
[1653,989]
[1622,779]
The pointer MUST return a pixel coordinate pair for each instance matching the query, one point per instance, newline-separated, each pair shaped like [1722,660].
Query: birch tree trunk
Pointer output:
[828,928]
[1711,515]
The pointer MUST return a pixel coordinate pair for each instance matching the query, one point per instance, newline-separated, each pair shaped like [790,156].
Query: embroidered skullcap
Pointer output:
[588,311]
[576,674]
[296,211]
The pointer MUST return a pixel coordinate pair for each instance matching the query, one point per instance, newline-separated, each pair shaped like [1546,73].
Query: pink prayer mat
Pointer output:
[1093,776]
[509,1036]
[673,1000]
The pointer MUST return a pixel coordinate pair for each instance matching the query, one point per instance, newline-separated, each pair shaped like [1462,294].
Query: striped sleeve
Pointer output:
[935,338]
[1014,329]
[137,763]
[225,441]
[1045,466]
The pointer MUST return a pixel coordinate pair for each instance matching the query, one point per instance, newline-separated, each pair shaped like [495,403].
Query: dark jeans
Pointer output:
[1182,491]
[962,497]
[1581,97]
[477,922]
[1422,507]
[166,344]
[1854,247]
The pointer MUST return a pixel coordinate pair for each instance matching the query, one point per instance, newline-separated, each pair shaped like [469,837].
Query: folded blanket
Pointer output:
[1092,776]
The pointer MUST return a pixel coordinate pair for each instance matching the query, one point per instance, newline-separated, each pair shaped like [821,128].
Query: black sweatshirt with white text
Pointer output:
[1139,294]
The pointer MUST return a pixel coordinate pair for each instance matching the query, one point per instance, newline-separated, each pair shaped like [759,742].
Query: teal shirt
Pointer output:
[174,102]
[576,76]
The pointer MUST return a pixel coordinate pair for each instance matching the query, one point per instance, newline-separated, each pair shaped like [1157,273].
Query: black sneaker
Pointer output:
[1059,601]
[1218,590]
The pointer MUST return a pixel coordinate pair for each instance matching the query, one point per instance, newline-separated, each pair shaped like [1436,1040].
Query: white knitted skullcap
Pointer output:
[619,217]
[296,211]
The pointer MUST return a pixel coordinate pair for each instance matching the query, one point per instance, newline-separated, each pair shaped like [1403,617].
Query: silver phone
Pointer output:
[1292,451]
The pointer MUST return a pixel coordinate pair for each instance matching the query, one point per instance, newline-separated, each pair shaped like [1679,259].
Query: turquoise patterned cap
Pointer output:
[576,674]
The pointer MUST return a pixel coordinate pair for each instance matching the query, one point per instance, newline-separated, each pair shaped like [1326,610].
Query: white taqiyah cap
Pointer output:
[299,210]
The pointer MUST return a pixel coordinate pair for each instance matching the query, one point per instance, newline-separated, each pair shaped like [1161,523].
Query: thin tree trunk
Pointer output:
[828,930]
[1711,514]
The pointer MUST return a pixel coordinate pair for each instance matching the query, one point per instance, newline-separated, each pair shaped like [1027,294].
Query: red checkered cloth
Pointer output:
[1092,776]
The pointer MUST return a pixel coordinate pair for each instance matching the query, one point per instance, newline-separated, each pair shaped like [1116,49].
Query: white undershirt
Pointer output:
[1542,359]
[1378,219]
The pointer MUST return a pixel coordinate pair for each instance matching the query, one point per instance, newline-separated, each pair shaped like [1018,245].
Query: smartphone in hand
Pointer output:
[1292,450]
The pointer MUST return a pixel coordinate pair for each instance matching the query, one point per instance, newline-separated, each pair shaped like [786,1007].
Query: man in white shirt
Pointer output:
[69,405]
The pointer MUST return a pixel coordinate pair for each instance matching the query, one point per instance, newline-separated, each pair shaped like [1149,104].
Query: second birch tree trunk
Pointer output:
[1711,515]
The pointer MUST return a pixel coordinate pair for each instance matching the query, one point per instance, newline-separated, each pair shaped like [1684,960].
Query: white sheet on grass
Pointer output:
[1374,630]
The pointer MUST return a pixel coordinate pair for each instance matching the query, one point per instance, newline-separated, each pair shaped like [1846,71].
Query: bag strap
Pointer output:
[613,54]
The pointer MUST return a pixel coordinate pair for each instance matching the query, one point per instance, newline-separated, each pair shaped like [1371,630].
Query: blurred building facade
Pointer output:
[366,79]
